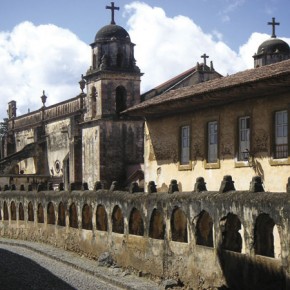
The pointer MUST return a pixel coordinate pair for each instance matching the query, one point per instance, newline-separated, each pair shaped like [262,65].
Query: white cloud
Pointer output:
[35,58]
[46,57]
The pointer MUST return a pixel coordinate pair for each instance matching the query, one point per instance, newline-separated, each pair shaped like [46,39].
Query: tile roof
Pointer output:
[226,89]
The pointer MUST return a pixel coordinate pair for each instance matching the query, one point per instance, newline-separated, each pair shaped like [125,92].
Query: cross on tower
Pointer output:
[204,56]
[273,23]
[113,8]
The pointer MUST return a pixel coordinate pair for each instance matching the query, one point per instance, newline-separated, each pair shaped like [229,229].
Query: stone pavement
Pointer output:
[27,265]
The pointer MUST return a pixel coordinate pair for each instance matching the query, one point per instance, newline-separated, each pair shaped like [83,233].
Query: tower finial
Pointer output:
[112,8]
[273,23]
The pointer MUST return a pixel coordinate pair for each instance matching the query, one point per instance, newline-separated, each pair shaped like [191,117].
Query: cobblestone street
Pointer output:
[26,266]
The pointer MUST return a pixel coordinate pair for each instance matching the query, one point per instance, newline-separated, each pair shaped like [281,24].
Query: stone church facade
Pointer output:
[84,139]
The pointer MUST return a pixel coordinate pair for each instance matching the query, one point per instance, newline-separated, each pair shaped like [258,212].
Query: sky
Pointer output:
[44,45]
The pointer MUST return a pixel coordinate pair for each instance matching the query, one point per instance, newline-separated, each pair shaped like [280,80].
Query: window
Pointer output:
[244,138]
[185,145]
[281,135]
[212,142]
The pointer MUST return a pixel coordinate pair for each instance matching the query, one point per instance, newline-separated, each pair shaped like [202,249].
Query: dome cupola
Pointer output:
[272,50]
[112,49]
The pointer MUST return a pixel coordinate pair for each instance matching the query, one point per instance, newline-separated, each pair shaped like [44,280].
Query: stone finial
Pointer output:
[256,185]
[227,184]
[85,186]
[6,187]
[115,186]
[82,83]
[173,187]
[200,185]
[151,187]
[13,187]
[98,185]
[134,187]
[43,98]
[61,186]
[22,187]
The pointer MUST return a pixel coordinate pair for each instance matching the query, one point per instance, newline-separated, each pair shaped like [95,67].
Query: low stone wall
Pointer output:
[239,239]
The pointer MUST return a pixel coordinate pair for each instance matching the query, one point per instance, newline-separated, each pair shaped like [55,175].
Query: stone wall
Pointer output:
[202,238]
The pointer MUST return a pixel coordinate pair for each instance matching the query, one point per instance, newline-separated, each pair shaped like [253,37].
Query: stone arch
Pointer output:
[73,216]
[13,211]
[231,237]
[5,211]
[87,217]
[50,214]
[121,99]
[61,215]
[117,220]
[101,218]
[204,229]
[178,223]
[136,224]
[21,212]
[157,225]
[264,243]
[30,212]
[40,214]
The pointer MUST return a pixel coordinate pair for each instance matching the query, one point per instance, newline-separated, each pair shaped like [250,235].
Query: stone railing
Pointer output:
[46,113]
[200,238]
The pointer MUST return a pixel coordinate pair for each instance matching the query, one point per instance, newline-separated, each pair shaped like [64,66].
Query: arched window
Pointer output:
[50,214]
[231,237]
[101,218]
[204,229]
[40,215]
[87,217]
[13,211]
[21,212]
[178,226]
[73,216]
[117,220]
[121,99]
[157,225]
[30,212]
[61,215]
[5,211]
[264,237]
[136,225]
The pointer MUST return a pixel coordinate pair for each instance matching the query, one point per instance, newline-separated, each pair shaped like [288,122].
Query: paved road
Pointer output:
[29,266]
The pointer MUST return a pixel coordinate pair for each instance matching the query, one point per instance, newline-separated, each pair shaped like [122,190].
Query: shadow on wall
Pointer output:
[244,273]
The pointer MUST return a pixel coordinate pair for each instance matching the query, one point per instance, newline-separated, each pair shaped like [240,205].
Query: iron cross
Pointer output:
[204,56]
[113,8]
[273,23]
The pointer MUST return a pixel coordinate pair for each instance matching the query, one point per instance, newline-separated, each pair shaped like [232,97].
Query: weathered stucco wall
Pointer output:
[57,145]
[23,138]
[162,148]
[204,239]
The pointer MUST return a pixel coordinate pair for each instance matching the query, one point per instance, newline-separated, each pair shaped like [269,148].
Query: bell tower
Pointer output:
[112,142]
[113,79]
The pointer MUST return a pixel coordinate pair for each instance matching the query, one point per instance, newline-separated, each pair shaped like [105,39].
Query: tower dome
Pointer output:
[272,50]
[111,32]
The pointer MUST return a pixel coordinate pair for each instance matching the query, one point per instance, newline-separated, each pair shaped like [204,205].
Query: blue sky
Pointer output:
[44,44]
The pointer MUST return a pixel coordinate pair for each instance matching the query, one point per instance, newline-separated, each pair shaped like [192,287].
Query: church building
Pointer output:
[235,126]
[83,139]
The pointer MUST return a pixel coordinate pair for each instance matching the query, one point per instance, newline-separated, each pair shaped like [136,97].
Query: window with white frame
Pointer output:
[281,134]
[212,130]
[244,138]
[185,145]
